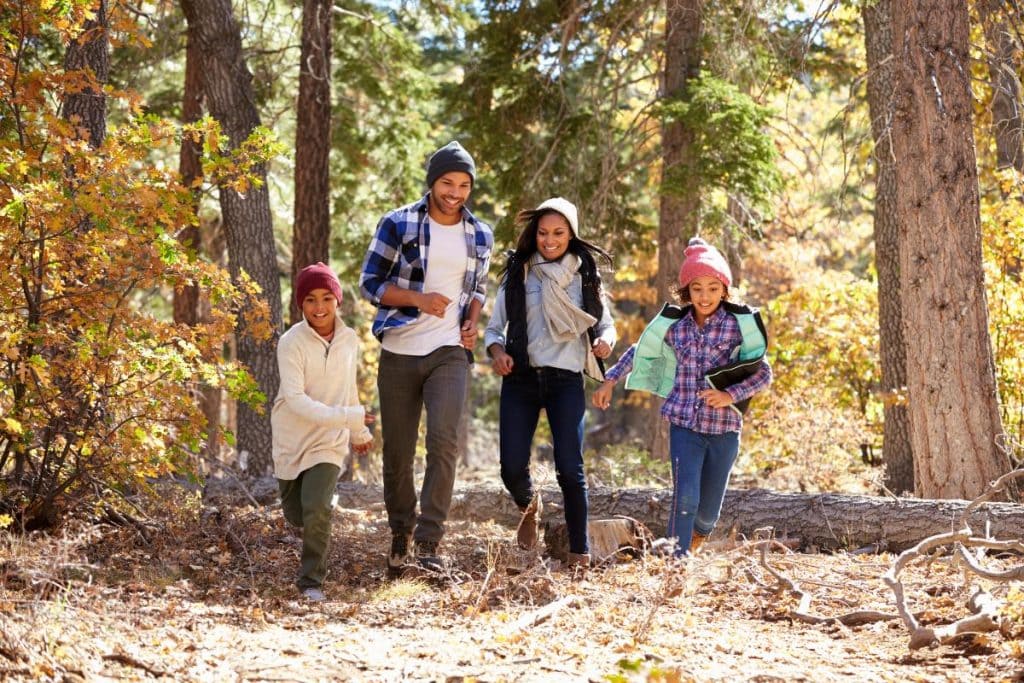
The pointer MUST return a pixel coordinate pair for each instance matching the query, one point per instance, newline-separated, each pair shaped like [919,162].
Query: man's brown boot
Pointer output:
[529,524]
[696,542]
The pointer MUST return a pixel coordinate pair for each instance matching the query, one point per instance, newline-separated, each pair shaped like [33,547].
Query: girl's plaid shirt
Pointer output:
[698,351]
[398,255]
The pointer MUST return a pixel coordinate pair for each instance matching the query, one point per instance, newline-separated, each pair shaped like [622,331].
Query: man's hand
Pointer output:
[433,303]
[469,334]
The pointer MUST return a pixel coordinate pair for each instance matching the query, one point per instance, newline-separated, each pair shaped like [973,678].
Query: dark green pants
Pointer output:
[306,503]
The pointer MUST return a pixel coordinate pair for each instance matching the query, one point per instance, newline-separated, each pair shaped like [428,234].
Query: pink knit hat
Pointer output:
[703,259]
[316,276]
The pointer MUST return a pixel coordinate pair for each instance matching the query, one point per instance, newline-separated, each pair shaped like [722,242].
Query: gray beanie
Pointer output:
[451,157]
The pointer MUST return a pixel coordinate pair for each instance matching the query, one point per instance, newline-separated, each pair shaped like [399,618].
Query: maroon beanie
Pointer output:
[702,259]
[316,276]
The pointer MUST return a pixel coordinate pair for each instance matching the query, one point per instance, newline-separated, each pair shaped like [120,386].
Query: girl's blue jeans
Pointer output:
[560,394]
[700,472]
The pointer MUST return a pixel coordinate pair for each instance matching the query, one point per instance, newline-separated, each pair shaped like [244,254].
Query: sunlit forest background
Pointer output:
[551,98]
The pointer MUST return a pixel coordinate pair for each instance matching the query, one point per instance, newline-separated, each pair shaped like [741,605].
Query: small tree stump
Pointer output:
[607,538]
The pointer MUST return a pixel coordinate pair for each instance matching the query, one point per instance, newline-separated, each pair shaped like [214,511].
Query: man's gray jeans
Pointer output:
[405,385]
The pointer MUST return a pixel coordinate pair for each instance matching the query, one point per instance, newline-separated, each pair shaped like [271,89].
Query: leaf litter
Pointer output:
[211,598]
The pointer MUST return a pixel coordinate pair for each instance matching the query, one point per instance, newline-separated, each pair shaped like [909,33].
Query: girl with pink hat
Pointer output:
[706,358]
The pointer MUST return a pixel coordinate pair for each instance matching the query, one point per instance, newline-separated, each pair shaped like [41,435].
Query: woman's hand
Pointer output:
[602,397]
[602,349]
[716,398]
[500,361]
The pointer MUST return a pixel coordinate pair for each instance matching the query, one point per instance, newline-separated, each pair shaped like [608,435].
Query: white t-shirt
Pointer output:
[446,273]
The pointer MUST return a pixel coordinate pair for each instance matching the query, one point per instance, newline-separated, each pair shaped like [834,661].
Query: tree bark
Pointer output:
[1002,55]
[312,229]
[90,52]
[190,306]
[678,213]
[881,83]
[953,403]
[227,86]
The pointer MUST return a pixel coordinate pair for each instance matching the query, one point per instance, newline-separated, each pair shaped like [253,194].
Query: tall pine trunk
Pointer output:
[190,305]
[953,404]
[227,86]
[90,52]
[312,229]
[1003,56]
[896,450]
[679,208]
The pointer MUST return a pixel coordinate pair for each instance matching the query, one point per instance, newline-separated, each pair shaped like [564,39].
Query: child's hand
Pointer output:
[602,397]
[716,398]
[362,448]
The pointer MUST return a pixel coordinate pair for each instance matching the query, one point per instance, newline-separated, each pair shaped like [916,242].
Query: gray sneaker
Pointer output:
[427,557]
[314,595]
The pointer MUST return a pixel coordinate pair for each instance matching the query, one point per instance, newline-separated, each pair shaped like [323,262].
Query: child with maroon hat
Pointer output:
[706,359]
[315,418]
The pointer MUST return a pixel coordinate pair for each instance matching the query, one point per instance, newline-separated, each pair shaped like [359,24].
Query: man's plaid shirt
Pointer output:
[399,253]
[698,351]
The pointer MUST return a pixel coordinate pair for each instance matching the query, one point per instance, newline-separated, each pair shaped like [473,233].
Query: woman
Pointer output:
[550,325]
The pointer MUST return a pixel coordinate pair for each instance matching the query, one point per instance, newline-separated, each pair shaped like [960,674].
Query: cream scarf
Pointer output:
[565,320]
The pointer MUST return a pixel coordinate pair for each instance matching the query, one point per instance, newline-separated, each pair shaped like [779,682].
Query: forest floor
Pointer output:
[213,600]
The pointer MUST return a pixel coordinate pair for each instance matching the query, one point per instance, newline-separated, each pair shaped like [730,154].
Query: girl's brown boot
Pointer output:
[696,542]
[529,524]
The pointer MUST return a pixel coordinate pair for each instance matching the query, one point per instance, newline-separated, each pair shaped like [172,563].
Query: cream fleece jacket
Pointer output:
[317,408]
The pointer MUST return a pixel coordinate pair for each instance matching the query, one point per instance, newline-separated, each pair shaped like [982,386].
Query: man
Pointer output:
[426,271]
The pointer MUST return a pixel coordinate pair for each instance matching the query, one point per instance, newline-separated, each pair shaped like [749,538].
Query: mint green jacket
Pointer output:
[654,362]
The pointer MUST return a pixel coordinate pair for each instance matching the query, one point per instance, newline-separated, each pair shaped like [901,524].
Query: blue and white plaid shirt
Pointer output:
[698,351]
[399,253]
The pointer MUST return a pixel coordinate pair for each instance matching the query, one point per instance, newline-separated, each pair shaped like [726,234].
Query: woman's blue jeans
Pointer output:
[560,394]
[700,472]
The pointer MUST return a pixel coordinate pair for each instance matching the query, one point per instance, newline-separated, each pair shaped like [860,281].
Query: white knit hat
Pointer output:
[564,207]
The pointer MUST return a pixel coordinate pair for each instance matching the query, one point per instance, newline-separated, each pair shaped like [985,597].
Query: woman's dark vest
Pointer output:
[515,306]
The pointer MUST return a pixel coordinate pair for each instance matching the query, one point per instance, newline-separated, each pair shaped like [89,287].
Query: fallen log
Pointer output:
[825,521]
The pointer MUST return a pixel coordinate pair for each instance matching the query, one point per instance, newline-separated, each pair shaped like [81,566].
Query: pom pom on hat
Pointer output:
[564,207]
[701,260]
[451,157]
[316,276]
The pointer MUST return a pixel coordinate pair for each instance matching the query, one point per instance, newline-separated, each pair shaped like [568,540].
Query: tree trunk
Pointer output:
[1002,54]
[312,229]
[953,404]
[679,208]
[90,52]
[190,306]
[227,85]
[896,451]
